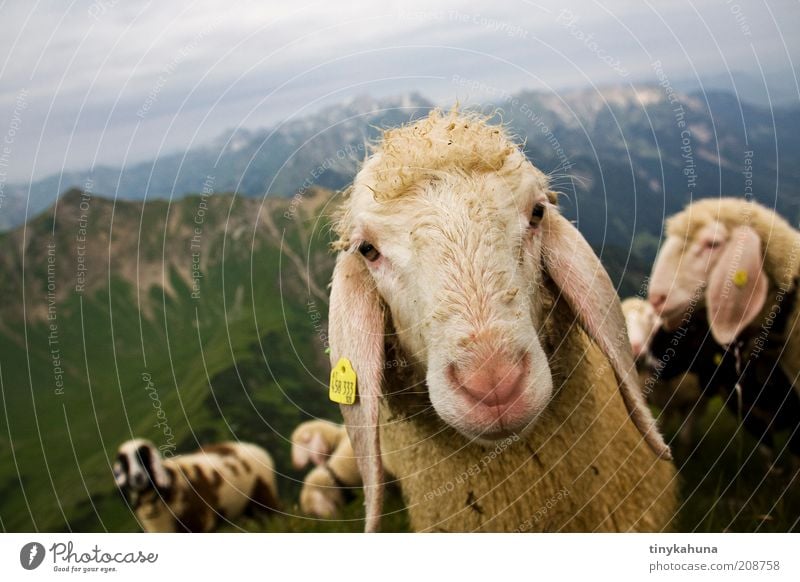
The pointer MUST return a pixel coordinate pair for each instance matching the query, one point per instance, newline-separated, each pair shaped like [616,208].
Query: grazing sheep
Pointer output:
[667,384]
[454,258]
[194,492]
[313,442]
[329,486]
[735,263]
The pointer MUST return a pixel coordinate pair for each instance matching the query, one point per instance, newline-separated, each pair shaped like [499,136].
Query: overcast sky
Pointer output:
[113,82]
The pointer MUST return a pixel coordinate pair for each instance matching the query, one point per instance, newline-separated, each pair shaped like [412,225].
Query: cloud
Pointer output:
[110,81]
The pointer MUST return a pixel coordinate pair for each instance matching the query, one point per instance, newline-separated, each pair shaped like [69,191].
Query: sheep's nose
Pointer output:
[636,347]
[498,381]
[657,300]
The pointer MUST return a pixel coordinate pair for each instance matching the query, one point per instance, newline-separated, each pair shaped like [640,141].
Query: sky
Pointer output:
[108,82]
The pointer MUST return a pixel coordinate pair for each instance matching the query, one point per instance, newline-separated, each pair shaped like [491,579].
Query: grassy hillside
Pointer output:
[143,351]
[203,320]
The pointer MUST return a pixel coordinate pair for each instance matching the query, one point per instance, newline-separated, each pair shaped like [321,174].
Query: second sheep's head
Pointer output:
[446,238]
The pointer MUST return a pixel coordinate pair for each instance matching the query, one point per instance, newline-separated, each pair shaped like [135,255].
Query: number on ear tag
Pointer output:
[343,382]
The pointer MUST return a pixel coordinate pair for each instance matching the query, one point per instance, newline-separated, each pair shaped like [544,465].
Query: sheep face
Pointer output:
[457,263]
[642,323]
[138,467]
[705,262]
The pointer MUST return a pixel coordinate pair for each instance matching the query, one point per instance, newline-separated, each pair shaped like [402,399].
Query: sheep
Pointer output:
[313,442]
[454,258]
[329,486]
[721,260]
[674,389]
[197,491]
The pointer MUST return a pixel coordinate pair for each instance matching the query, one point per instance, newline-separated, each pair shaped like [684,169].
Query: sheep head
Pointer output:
[713,256]
[447,237]
[139,467]
[642,323]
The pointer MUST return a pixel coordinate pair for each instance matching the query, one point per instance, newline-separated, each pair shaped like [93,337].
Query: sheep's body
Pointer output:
[781,258]
[197,491]
[747,293]
[327,487]
[566,475]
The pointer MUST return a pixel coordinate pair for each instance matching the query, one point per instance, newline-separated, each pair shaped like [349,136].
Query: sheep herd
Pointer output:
[526,401]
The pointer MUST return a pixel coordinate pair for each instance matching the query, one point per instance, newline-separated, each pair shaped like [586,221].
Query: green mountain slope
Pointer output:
[120,320]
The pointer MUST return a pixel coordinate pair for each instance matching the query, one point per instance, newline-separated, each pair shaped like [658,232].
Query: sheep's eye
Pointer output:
[370,252]
[536,215]
[713,244]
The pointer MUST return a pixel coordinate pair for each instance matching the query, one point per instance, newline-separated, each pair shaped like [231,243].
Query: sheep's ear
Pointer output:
[318,449]
[153,466]
[737,287]
[313,449]
[356,332]
[581,278]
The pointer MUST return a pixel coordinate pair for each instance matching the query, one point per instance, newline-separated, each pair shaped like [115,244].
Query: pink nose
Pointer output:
[498,381]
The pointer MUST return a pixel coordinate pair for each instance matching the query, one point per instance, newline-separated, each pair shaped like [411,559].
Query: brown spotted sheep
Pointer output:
[195,492]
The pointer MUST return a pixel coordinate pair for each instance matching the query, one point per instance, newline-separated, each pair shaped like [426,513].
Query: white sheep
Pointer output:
[677,393]
[521,387]
[313,441]
[736,263]
[328,486]
[197,491]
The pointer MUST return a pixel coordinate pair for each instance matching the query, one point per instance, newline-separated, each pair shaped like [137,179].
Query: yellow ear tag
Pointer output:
[740,278]
[343,382]
[717,359]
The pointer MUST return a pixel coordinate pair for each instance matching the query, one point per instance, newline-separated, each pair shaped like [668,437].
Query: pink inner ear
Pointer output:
[737,287]
[585,285]
[318,449]
[356,332]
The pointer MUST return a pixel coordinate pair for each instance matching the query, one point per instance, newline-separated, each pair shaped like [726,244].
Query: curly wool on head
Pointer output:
[441,145]
[780,240]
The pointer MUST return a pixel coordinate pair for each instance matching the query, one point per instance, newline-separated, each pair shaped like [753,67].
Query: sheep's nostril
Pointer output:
[495,382]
